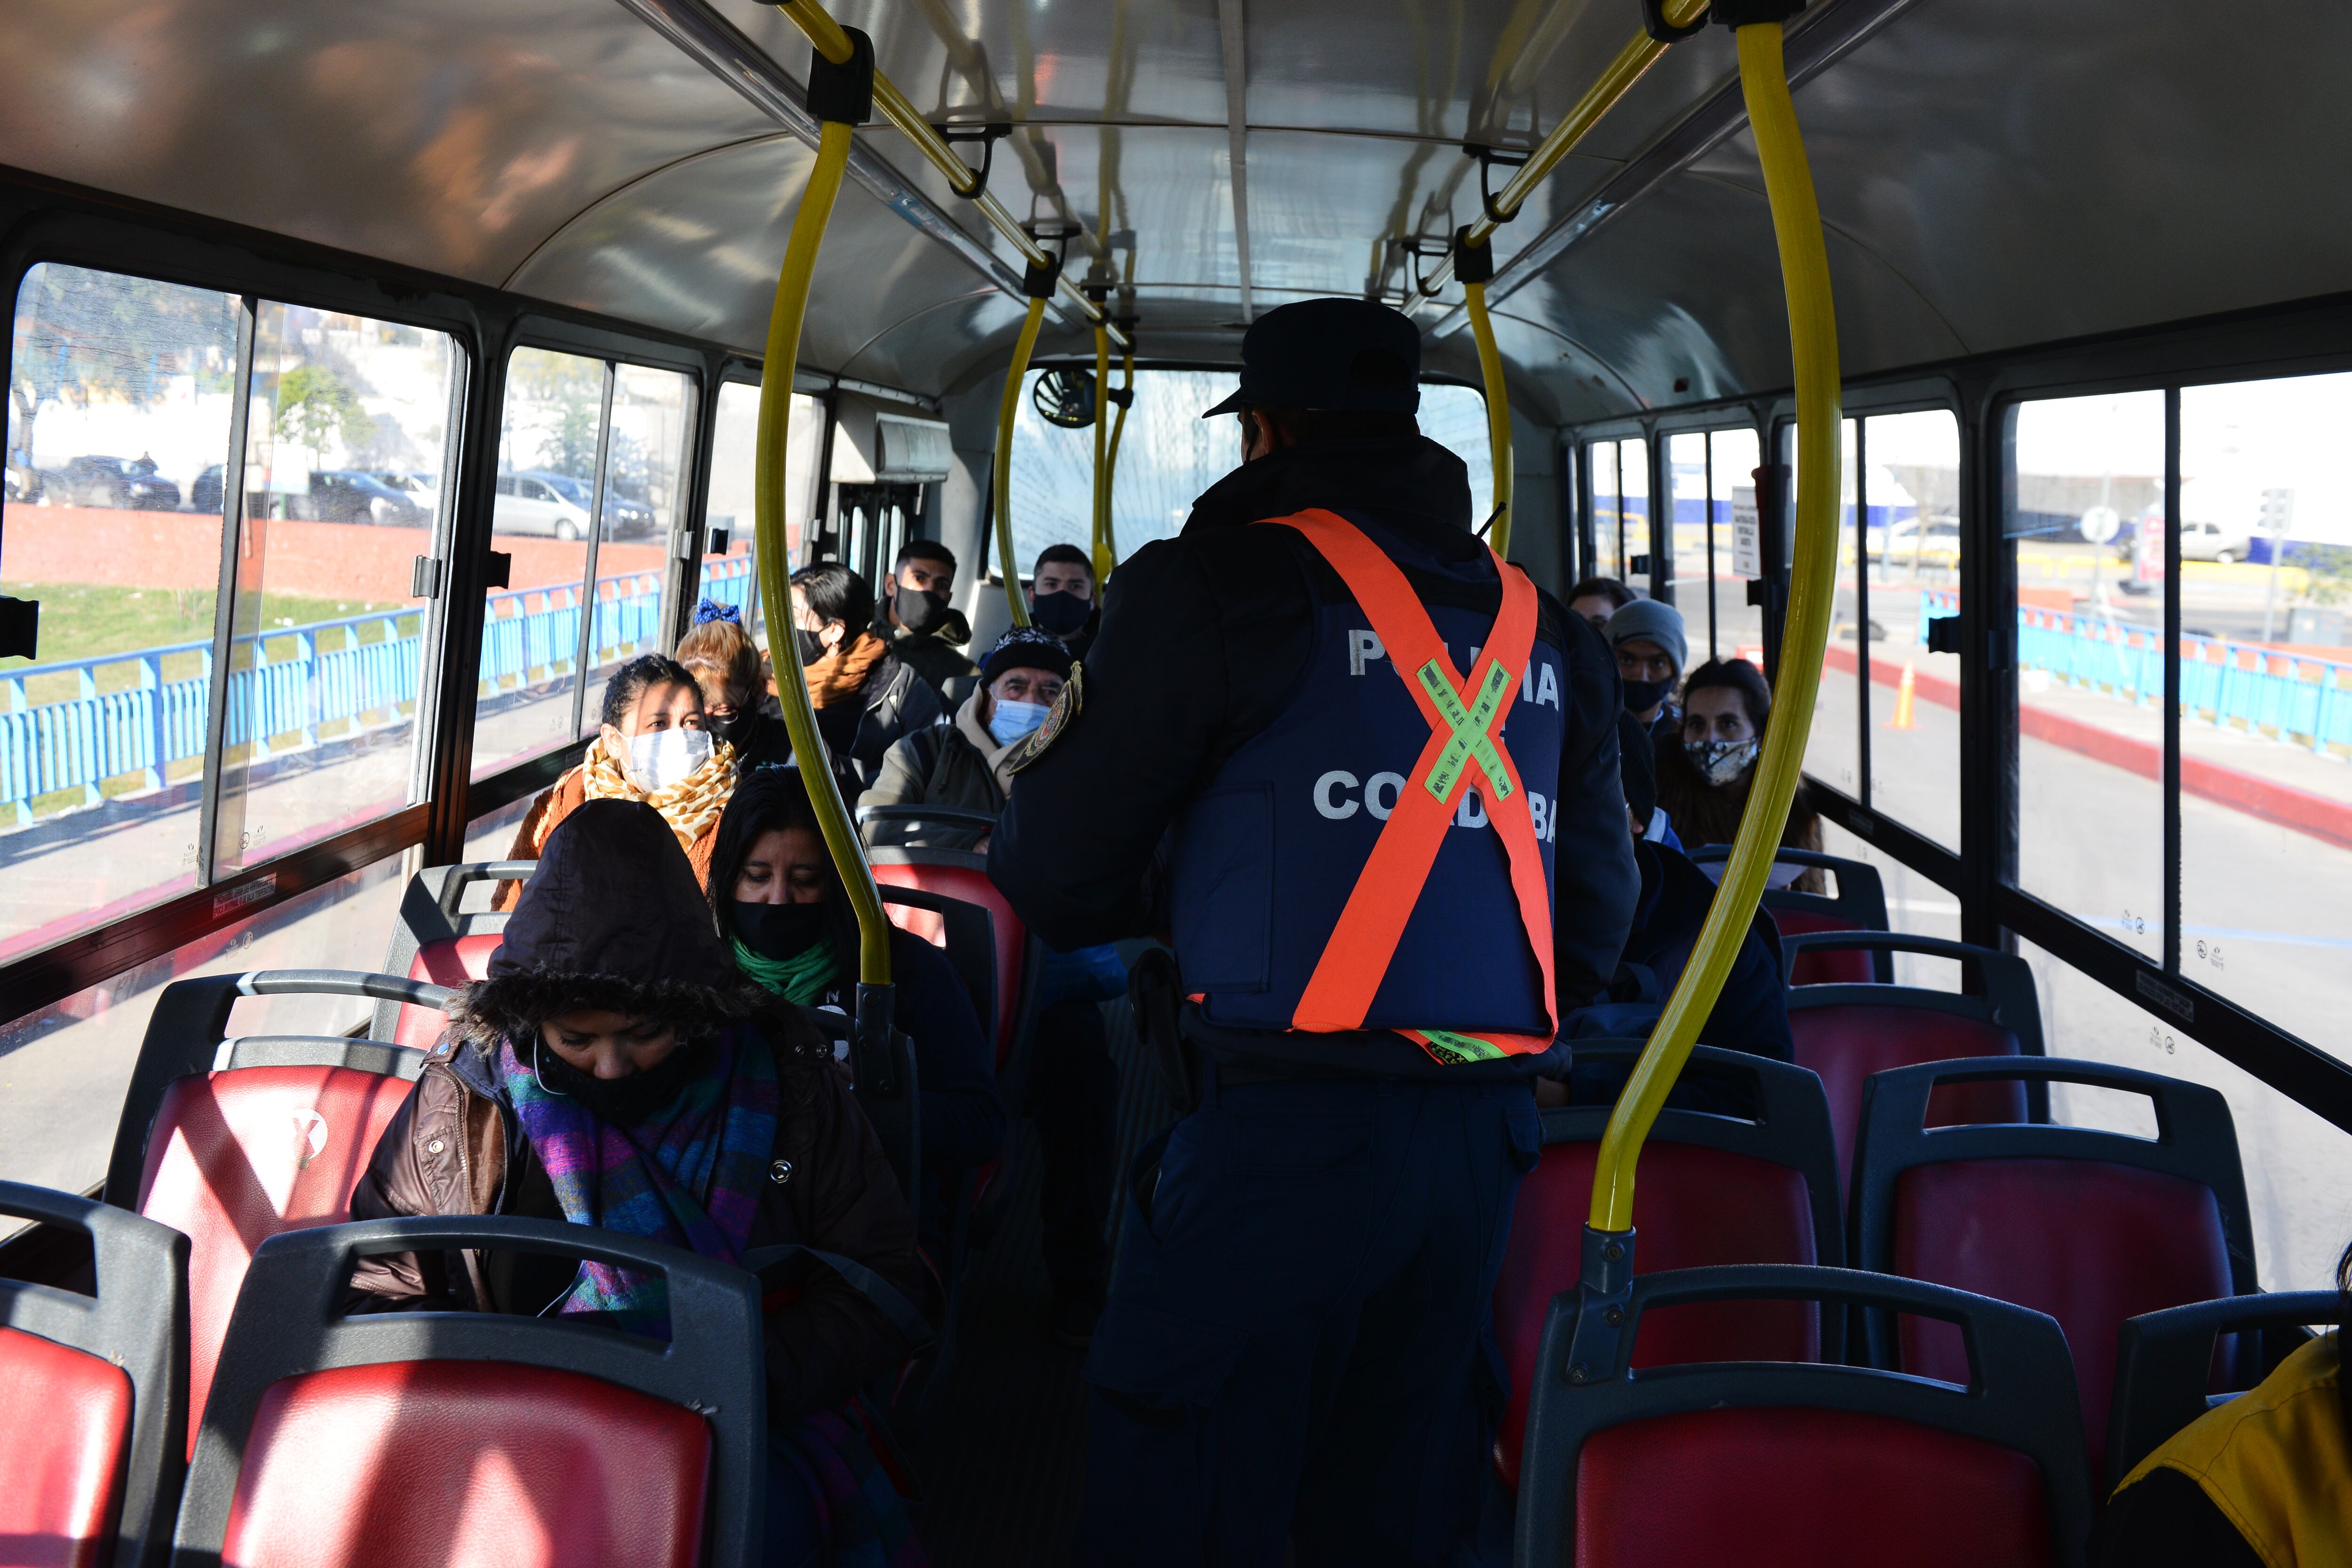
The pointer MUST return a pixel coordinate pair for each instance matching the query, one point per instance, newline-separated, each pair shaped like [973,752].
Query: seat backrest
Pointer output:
[93,1407]
[1712,1189]
[518,1441]
[1859,904]
[2090,1228]
[957,874]
[1846,1032]
[435,938]
[965,931]
[1835,1466]
[231,1142]
[2167,1369]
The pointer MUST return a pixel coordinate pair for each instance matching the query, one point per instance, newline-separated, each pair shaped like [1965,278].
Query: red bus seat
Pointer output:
[435,938]
[1858,904]
[398,1440]
[1785,1463]
[230,1141]
[1712,1189]
[1847,1032]
[959,875]
[92,1408]
[2090,1228]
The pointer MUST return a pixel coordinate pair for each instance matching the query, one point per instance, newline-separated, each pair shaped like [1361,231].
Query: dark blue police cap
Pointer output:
[1331,354]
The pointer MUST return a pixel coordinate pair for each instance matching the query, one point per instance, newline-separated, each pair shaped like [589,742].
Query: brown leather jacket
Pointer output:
[457,1148]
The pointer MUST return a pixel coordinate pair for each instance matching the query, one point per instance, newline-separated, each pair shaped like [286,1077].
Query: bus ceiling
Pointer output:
[640,158]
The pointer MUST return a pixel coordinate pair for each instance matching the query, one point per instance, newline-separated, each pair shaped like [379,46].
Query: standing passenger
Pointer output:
[1396,864]
[917,620]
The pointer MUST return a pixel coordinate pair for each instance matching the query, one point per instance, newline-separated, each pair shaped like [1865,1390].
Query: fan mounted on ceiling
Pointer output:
[1065,397]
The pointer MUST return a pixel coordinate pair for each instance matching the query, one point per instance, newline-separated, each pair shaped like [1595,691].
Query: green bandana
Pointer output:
[799,979]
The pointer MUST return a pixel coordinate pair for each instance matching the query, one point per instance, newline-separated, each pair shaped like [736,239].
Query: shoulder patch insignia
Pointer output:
[1064,711]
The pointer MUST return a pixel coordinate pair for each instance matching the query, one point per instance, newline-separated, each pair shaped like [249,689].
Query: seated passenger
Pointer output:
[866,697]
[1706,766]
[918,619]
[2264,1481]
[783,914]
[652,747]
[731,671]
[1598,598]
[1650,650]
[963,764]
[1062,598]
[614,1069]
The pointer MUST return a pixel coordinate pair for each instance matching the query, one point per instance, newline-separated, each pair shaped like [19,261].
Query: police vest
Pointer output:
[1380,857]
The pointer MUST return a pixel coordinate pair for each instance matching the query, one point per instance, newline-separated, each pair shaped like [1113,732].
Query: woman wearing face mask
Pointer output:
[652,747]
[963,764]
[866,697]
[1704,769]
[785,919]
[727,664]
[614,1069]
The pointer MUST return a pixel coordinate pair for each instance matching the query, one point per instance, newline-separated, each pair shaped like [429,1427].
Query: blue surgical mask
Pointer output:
[1011,720]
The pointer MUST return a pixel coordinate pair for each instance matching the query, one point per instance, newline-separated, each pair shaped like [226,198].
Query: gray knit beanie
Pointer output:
[1648,620]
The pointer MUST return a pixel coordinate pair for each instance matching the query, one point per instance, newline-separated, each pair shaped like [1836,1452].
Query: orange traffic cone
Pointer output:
[1903,691]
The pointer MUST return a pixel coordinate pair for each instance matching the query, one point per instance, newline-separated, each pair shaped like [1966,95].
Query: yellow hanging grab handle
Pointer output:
[1014,375]
[1813,342]
[1499,416]
[775,577]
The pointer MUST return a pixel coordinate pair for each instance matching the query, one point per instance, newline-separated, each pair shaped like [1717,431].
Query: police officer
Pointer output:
[1399,855]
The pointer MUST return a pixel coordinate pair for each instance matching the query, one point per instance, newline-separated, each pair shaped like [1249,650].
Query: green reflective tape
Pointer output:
[1470,727]
[1453,1050]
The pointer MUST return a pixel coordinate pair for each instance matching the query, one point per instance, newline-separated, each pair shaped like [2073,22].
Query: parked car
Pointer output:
[424,490]
[2211,542]
[128,482]
[1902,542]
[204,491]
[624,518]
[346,495]
[532,503]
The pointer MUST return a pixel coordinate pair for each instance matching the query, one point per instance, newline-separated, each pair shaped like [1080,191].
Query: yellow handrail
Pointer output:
[826,36]
[1014,375]
[1102,465]
[1813,342]
[1498,416]
[775,577]
[1110,483]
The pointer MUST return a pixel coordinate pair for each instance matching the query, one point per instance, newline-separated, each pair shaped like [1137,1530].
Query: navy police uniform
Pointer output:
[1395,855]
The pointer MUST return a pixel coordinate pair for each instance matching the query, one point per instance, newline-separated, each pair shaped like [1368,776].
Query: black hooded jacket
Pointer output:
[1204,637]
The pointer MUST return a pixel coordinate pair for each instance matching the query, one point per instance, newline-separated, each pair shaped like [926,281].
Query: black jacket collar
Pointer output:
[1412,486]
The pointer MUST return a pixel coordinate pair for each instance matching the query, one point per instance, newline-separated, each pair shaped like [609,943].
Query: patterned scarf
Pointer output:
[689,805]
[859,1510]
[841,674]
[689,1175]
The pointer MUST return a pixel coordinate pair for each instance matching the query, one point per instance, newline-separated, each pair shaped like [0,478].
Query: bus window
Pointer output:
[1686,529]
[1731,462]
[2266,715]
[346,451]
[1833,750]
[66,1067]
[1168,453]
[2090,666]
[732,577]
[529,672]
[1908,468]
[646,458]
[120,390]
[1608,531]
[1633,512]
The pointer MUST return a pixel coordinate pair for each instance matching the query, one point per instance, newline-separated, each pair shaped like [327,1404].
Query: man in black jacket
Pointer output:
[1399,858]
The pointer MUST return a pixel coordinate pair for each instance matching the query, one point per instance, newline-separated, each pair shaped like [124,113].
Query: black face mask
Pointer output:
[732,728]
[627,1102]
[811,648]
[1641,696]
[919,612]
[777,930]
[1060,613]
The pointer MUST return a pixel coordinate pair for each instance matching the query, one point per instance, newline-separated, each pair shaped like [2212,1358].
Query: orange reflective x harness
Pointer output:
[1465,735]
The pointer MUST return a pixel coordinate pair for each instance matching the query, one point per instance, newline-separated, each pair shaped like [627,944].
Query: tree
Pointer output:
[82,334]
[315,405]
[2327,573]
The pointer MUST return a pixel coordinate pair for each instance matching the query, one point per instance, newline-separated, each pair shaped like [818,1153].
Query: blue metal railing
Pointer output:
[335,672]
[2295,698]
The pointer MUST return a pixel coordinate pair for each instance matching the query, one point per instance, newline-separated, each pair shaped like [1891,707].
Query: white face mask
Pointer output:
[1011,721]
[1722,762]
[660,759]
